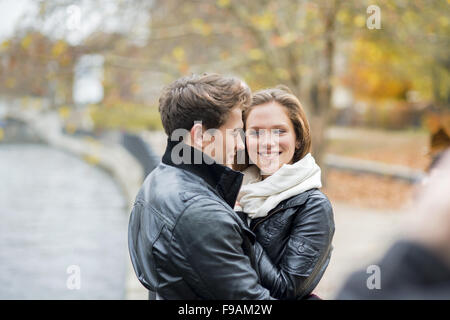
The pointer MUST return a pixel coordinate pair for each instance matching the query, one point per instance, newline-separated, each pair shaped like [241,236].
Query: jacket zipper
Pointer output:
[265,218]
[315,270]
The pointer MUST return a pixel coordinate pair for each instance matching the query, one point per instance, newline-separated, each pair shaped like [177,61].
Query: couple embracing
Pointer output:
[233,211]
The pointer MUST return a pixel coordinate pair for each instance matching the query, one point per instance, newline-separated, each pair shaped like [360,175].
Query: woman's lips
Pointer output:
[271,155]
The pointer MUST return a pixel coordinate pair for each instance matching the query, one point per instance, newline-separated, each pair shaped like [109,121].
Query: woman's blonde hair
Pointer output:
[284,97]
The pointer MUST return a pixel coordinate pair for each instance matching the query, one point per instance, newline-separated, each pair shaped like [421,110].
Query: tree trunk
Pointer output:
[322,89]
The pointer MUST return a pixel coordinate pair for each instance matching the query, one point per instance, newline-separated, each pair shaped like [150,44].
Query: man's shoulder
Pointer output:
[166,181]
[174,192]
[203,208]
[205,216]
[169,174]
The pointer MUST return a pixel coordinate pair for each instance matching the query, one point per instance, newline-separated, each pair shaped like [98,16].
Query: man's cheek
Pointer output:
[229,146]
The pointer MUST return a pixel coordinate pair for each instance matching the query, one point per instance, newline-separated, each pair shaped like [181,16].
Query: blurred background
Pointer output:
[80,129]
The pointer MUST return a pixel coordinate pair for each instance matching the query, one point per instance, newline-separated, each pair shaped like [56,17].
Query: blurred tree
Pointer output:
[268,42]
[410,53]
[32,64]
[295,43]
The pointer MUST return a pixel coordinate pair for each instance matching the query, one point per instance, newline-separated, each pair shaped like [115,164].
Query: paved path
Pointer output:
[361,238]
[57,211]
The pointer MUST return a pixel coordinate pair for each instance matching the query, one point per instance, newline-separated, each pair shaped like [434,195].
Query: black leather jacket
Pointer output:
[184,239]
[294,244]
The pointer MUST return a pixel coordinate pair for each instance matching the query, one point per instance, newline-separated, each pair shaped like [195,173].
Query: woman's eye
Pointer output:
[278,131]
[257,133]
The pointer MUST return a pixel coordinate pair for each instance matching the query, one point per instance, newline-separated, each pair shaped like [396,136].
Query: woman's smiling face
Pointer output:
[270,137]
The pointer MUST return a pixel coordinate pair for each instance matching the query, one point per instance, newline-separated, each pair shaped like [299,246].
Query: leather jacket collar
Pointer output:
[297,200]
[224,180]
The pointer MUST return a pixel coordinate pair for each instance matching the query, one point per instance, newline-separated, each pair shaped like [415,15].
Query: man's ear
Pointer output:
[196,135]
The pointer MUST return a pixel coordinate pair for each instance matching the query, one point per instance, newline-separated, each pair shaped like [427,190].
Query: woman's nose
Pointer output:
[240,143]
[268,140]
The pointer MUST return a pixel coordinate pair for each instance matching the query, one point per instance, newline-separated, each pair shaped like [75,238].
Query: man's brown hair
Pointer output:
[284,97]
[208,98]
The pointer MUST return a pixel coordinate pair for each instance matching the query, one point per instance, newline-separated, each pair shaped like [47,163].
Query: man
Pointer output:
[185,241]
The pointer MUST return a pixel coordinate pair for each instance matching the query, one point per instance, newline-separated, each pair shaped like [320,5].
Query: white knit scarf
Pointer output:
[257,197]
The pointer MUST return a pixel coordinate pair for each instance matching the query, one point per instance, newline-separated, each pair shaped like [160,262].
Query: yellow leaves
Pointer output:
[256,54]
[119,114]
[259,69]
[26,41]
[409,17]
[343,16]
[375,72]
[206,30]
[443,21]
[5,45]
[359,21]
[369,52]
[180,56]
[91,159]
[64,112]
[282,74]
[265,21]
[178,53]
[201,26]
[65,60]
[197,23]
[10,83]
[59,48]
[223,3]
[2,135]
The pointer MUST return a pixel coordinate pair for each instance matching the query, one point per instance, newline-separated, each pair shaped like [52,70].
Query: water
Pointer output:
[57,211]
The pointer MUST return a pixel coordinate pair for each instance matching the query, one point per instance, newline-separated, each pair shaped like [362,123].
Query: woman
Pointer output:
[292,220]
